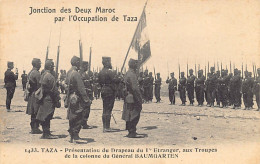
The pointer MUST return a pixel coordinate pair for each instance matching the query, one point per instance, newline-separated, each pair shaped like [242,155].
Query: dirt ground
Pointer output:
[162,125]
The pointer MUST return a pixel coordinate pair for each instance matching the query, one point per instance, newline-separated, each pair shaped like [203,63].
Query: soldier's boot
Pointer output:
[76,136]
[104,122]
[47,135]
[107,125]
[86,126]
[35,128]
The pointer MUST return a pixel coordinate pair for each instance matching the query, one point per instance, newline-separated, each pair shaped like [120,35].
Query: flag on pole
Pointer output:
[141,41]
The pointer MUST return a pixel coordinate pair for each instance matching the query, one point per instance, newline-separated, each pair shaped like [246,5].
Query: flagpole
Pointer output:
[133,38]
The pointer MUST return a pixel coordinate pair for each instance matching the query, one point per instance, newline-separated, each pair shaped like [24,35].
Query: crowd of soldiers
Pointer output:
[134,87]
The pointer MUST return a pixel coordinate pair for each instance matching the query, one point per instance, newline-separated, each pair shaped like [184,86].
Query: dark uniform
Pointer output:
[34,84]
[10,84]
[172,87]
[223,88]
[141,84]
[235,89]
[212,85]
[24,80]
[190,86]
[157,88]
[88,87]
[182,88]
[199,87]
[146,86]
[257,89]
[217,89]
[77,99]
[107,82]
[133,100]
[247,90]
[50,99]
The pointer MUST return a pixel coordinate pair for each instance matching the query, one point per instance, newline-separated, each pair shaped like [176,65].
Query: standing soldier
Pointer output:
[88,87]
[146,86]
[34,85]
[182,89]
[107,82]
[257,89]
[24,79]
[190,86]
[133,100]
[212,78]
[235,89]
[206,90]
[151,79]
[172,87]
[49,100]
[10,84]
[247,90]
[199,88]
[141,84]
[157,88]
[217,88]
[77,99]
[223,88]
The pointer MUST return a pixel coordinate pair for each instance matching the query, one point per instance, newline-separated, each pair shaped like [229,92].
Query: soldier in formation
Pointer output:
[190,86]
[172,87]
[10,84]
[182,89]
[199,88]
[157,88]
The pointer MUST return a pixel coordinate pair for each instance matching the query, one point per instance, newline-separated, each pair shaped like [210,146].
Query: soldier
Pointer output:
[34,85]
[146,86]
[133,100]
[151,79]
[206,90]
[199,88]
[157,88]
[257,89]
[217,88]
[190,86]
[223,88]
[49,100]
[182,89]
[88,87]
[24,79]
[247,90]
[62,80]
[77,99]
[235,89]
[212,79]
[10,84]
[141,84]
[107,82]
[172,87]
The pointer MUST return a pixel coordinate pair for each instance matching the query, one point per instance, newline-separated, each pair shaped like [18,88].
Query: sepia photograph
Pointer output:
[96,81]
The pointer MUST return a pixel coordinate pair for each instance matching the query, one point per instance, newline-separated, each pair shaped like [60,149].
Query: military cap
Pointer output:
[106,59]
[172,73]
[36,61]
[212,68]
[158,73]
[258,69]
[10,64]
[200,71]
[84,63]
[190,70]
[133,63]
[49,63]
[74,60]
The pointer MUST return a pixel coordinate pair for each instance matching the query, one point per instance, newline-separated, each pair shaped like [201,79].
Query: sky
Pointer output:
[180,31]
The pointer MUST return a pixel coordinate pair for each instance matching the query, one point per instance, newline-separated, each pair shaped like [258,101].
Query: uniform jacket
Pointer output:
[10,78]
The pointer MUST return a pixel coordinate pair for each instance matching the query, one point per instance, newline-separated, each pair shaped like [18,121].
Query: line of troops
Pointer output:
[44,95]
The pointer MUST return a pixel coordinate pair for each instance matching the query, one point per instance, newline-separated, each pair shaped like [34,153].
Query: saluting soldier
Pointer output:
[172,87]
[157,88]
[10,84]
[190,86]
[88,87]
[77,99]
[24,79]
[257,89]
[182,89]
[199,87]
[34,84]
[107,82]
[49,100]
[133,100]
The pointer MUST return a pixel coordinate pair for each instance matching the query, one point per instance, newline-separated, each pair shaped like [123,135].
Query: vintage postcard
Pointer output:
[148,81]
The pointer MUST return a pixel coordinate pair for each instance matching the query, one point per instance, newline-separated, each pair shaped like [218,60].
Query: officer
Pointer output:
[190,86]
[151,79]
[24,79]
[107,82]
[172,87]
[257,89]
[10,83]
[77,99]
[182,89]
[133,100]
[199,88]
[34,84]
[49,100]
[157,88]
[87,83]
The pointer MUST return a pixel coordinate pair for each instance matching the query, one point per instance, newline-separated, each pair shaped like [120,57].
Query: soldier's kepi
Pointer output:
[107,82]
[48,98]
[133,100]
[77,99]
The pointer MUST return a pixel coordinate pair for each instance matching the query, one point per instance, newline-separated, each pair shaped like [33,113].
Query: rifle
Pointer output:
[89,62]
[254,71]
[168,69]
[187,69]
[242,70]
[179,71]
[47,52]
[221,68]
[80,53]
[208,68]
[230,67]
[58,57]
[195,69]
[154,73]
